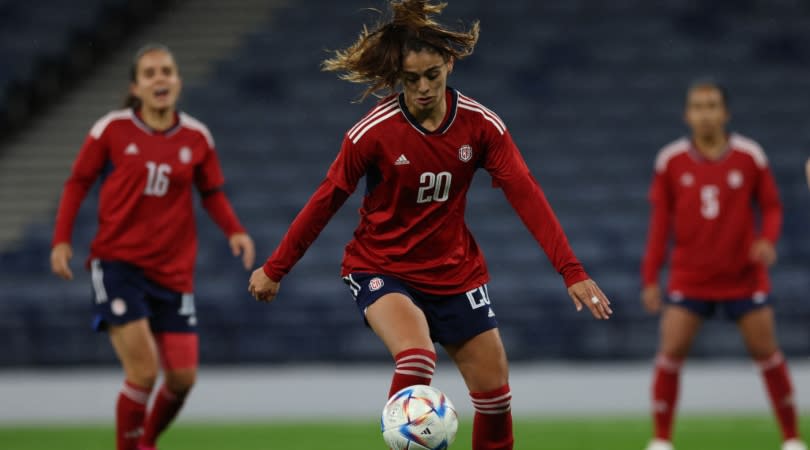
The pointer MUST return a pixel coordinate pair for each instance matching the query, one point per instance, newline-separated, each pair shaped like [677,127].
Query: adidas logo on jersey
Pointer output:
[131,149]
[401,161]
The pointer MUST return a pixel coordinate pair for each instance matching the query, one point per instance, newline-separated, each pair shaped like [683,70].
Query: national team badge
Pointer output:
[118,306]
[687,179]
[375,284]
[735,179]
[185,155]
[465,153]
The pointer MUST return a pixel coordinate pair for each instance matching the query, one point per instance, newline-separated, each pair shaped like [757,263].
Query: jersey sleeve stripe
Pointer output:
[498,124]
[486,110]
[102,123]
[750,147]
[194,124]
[375,113]
[371,125]
[670,151]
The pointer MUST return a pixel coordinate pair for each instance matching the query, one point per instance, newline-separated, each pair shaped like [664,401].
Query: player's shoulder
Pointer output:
[671,151]
[468,106]
[111,117]
[749,147]
[375,118]
[189,122]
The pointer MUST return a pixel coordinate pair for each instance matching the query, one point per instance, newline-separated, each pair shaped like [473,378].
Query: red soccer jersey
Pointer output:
[145,205]
[412,218]
[707,207]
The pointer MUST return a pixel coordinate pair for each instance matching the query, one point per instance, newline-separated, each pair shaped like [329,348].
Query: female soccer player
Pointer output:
[702,196]
[142,258]
[413,267]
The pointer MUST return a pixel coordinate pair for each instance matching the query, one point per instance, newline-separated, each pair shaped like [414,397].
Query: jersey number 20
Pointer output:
[434,187]
[157,181]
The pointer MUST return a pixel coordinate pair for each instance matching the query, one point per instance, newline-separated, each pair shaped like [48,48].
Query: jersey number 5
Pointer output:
[434,187]
[157,181]
[709,201]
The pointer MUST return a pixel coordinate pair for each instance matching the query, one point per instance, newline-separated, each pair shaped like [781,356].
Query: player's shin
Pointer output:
[780,391]
[492,425]
[413,366]
[130,411]
[665,394]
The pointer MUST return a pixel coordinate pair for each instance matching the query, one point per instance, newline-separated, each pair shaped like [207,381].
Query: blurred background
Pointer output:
[590,90]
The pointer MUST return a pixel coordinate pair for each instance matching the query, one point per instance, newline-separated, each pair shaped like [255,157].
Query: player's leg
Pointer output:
[483,365]
[135,346]
[402,327]
[758,331]
[678,327]
[179,358]
[174,323]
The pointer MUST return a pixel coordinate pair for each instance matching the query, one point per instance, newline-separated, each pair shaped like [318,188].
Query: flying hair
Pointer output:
[375,59]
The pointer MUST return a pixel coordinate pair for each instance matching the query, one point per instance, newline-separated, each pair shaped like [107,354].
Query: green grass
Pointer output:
[693,433]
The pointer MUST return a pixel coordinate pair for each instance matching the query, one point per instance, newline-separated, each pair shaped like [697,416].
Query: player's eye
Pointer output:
[167,71]
[149,73]
[432,75]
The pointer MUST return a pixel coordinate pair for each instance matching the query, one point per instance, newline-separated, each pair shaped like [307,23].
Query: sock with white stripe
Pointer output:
[130,412]
[413,366]
[492,426]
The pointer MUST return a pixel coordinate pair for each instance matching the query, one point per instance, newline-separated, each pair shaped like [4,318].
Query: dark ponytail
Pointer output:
[375,59]
[131,101]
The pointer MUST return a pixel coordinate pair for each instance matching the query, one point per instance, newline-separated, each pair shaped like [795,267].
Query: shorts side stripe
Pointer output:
[97,275]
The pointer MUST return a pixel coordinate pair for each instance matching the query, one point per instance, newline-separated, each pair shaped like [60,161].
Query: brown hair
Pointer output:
[131,101]
[375,59]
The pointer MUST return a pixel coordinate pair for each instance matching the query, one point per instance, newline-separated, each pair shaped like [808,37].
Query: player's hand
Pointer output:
[588,293]
[651,298]
[763,252]
[60,256]
[242,244]
[261,287]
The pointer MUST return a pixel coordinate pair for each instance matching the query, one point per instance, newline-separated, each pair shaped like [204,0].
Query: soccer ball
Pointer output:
[419,417]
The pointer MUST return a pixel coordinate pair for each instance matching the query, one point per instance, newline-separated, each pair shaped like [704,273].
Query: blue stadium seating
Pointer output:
[590,91]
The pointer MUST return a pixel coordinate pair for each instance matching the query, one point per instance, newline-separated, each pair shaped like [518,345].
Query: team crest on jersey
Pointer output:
[375,284]
[185,155]
[465,153]
[687,179]
[118,306]
[735,179]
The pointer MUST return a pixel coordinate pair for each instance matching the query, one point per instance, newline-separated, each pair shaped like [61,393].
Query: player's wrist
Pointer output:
[272,273]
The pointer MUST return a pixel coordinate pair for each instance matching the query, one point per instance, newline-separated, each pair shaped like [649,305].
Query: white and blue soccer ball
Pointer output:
[419,418]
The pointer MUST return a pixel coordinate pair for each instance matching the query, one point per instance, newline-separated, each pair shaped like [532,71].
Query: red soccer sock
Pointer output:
[414,366]
[780,390]
[164,410]
[492,425]
[665,394]
[129,415]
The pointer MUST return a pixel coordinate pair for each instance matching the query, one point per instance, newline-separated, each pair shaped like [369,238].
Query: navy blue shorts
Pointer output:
[733,309]
[122,294]
[452,319]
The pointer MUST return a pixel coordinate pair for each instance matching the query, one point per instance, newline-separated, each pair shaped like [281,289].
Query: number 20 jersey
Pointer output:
[412,217]
[707,208]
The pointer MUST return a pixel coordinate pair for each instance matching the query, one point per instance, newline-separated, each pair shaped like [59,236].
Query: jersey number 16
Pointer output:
[157,181]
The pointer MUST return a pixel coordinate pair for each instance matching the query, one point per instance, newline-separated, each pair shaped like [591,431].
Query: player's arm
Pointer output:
[510,172]
[209,180]
[763,250]
[86,168]
[341,180]
[658,232]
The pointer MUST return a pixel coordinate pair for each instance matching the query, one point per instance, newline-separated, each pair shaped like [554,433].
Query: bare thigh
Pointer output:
[758,330]
[399,323]
[481,361]
[136,349]
[679,326]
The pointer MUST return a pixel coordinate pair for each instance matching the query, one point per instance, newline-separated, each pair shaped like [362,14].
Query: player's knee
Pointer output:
[144,375]
[181,381]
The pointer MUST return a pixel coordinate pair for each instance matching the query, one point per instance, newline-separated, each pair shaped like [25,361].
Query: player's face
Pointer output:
[157,82]
[424,80]
[706,112]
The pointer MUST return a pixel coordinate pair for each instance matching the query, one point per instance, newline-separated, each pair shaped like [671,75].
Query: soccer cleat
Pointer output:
[793,444]
[660,444]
